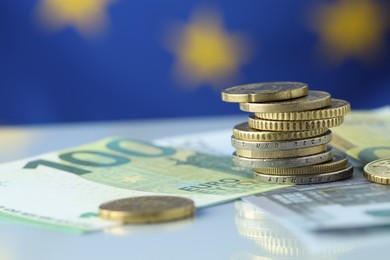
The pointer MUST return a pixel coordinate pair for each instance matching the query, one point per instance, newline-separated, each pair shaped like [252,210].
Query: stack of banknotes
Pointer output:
[286,138]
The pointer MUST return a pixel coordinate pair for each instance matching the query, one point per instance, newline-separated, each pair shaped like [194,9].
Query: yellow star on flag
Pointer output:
[89,17]
[205,52]
[351,28]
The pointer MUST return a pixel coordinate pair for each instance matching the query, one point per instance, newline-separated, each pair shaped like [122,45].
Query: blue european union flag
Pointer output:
[82,60]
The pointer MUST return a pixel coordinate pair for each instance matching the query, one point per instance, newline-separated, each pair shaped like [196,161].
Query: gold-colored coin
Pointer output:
[287,126]
[314,100]
[244,132]
[337,108]
[378,171]
[282,153]
[339,162]
[147,209]
[265,92]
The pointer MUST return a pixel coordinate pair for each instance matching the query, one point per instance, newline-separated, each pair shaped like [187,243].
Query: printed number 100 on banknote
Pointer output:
[64,189]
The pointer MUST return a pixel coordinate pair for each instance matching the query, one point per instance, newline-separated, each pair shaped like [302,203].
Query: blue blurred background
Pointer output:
[88,60]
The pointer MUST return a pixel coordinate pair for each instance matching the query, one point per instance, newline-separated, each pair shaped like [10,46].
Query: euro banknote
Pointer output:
[353,203]
[364,135]
[63,189]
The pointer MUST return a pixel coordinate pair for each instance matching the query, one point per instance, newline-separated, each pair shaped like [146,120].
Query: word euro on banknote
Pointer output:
[64,189]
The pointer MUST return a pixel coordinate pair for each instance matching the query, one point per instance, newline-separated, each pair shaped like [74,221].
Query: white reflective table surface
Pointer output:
[218,232]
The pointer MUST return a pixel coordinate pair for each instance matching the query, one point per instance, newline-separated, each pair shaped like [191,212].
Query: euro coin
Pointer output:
[282,145]
[264,92]
[378,171]
[286,126]
[337,108]
[306,179]
[314,100]
[244,132]
[339,162]
[283,162]
[281,153]
[147,209]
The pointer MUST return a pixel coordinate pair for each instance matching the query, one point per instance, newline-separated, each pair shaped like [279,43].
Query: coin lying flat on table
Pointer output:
[282,145]
[314,100]
[339,162]
[244,132]
[265,92]
[286,126]
[283,162]
[337,108]
[147,209]
[378,171]
[306,179]
[281,153]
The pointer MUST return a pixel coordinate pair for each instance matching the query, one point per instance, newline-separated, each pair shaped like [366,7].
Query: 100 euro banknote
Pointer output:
[64,189]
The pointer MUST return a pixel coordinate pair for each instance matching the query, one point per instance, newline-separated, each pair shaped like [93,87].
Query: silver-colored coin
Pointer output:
[339,162]
[282,145]
[294,153]
[306,179]
[283,162]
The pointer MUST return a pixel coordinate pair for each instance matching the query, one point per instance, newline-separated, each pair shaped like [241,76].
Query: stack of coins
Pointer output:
[286,139]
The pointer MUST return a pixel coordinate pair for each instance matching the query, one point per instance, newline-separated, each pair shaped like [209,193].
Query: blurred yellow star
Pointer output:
[205,52]
[351,28]
[89,17]
[132,179]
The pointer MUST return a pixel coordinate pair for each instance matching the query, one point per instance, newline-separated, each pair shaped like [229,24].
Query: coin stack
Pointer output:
[286,139]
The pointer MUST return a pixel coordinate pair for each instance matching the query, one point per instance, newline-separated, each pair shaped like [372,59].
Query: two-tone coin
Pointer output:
[339,162]
[283,162]
[281,153]
[265,92]
[282,145]
[306,179]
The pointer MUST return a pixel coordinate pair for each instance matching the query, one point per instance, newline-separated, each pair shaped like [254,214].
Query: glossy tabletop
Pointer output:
[215,233]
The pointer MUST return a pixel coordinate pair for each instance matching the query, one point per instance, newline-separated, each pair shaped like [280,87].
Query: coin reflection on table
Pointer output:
[273,239]
[125,230]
